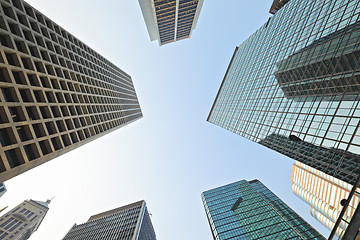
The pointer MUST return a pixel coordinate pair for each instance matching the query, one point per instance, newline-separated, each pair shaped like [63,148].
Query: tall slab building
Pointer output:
[324,194]
[171,20]
[293,86]
[130,222]
[56,92]
[249,210]
[23,220]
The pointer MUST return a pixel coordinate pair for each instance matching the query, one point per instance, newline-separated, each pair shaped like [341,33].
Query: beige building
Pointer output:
[23,220]
[323,193]
[56,93]
[172,20]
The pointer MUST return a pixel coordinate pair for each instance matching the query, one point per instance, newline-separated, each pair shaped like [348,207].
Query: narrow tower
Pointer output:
[23,220]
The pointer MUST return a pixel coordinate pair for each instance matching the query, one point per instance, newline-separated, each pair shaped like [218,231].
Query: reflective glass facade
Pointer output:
[249,210]
[299,74]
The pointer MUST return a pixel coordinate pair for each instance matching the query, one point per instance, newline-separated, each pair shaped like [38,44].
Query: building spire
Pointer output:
[49,200]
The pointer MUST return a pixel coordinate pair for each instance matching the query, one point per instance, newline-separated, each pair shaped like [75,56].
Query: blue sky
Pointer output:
[172,154]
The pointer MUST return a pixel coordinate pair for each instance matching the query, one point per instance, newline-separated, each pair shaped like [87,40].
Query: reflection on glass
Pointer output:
[333,161]
[299,74]
[324,68]
[249,210]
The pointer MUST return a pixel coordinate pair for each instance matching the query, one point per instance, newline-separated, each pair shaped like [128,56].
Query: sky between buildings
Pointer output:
[172,154]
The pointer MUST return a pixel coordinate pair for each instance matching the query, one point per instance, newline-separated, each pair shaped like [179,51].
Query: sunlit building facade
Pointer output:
[249,210]
[323,193]
[23,220]
[293,86]
[172,20]
[128,222]
[56,93]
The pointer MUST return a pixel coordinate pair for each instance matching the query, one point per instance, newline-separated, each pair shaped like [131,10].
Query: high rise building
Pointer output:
[56,92]
[324,194]
[293,86]
[23,220]
[249,210]
[128,222]
[172,20]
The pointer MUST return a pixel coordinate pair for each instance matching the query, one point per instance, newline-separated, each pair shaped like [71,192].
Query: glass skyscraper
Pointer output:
[128,222]
[249,210]
[293,86]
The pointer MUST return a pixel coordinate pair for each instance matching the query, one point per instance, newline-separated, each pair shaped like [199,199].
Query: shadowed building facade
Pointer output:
[56,92]
[320,69]
[298,75]
[23,220]
[249,210]
[171,20]
[128,222]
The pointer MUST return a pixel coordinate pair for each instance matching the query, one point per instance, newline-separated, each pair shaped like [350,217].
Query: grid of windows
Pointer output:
[56,92]
[298,75]
[249,210]
[324,194]
[118,224]
[175,19]
[23,220]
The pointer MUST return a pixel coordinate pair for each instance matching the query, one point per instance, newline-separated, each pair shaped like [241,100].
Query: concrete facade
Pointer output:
[23,220]
[56,92]
[323,193]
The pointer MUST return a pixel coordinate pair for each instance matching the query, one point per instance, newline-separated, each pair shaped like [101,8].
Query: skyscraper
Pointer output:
[249,210]
[172,20]
[128,222]
[56,92]
[293,86]
[323,193]
[23,220]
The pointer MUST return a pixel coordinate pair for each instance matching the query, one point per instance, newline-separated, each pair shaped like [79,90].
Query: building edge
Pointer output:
[197,14]
[222,83]
[23,168]
[148,11]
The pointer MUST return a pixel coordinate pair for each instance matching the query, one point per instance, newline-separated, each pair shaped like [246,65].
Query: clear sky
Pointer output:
[172,154]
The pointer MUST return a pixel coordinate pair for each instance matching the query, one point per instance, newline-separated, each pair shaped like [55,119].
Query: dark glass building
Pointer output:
[128,222]
[294,84]
[249,210]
